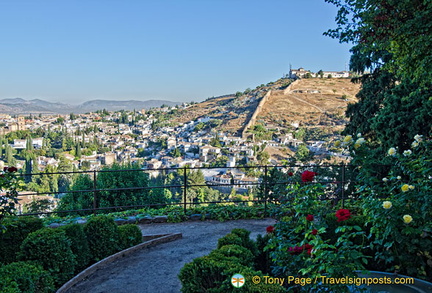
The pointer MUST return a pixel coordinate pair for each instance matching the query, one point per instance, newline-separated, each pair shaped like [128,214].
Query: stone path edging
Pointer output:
[155,240]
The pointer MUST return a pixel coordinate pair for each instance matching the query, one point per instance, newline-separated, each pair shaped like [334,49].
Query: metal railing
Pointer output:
[335,175]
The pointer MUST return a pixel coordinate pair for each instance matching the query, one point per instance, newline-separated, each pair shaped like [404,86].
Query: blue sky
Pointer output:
[72,51]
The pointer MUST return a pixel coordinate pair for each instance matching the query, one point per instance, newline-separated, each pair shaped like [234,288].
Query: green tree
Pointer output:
[176,153]
[78,151]
[399,27]
[394,100]
[302,153]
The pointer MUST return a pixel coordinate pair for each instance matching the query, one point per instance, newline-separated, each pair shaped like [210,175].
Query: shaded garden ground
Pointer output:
[155,269]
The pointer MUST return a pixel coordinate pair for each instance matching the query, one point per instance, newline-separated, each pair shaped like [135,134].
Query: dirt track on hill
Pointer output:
[155,269]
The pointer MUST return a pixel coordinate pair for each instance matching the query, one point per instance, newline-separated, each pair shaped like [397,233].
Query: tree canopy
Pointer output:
[392,40]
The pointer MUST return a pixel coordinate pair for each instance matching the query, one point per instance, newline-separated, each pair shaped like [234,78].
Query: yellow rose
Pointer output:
[392,151]
[337,143]
[405,187]
[411,187]
[387,205]
[357,145]
[407,219]
[348,138]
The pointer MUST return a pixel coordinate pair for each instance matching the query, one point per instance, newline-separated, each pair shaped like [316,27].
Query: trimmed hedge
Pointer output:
[230,239]
[212,273]
[79,245]
[246,241]
[52,250]
[17,229]
[204,274]
[103,237]
[25,277]
[130,235]
[235,253]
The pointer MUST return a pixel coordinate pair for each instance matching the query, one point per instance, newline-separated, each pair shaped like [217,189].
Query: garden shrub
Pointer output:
[103,237]
[25,277]
[263,260]
[246,241]
[333,224]
[205,274]
[228,239]
[213,274]
[79,245]
[130,235]
[234,253]
[17,229]
[52,250]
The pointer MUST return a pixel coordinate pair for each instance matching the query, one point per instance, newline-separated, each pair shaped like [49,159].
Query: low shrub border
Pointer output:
[236,254]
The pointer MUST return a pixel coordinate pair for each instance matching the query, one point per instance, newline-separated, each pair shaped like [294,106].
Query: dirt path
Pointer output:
[155,269]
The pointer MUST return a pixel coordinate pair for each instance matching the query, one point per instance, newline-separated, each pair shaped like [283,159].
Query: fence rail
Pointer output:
[335,175]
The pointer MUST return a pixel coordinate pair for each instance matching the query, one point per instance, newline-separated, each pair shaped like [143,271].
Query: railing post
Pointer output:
[343,185]
[265,191]
[184,189]
[94,191]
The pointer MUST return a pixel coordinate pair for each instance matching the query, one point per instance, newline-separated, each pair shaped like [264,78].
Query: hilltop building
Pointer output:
[301,72]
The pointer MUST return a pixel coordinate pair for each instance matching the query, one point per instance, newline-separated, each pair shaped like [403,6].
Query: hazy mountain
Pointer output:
[36,106]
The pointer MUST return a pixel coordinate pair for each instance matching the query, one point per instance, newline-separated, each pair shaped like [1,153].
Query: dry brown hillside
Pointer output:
[234,111]
[313,102]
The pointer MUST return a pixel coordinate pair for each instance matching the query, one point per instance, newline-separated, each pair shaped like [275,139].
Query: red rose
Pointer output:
[5,169]
[295,250]
[314,232]
[343,214]
[310,218]
[12,169]
[290,174]
[270,229]
[308,176]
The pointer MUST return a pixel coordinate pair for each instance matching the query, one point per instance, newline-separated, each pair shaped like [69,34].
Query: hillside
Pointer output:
[309,103]
[234,110]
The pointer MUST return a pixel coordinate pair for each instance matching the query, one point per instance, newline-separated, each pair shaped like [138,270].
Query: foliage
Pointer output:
[213,273]
[246,241]
[25,277]
[393,40]
[130,235]
[79,245]
[16,230]
[298,245]
[230,239]
[103,236]
[113,177]
[78,200]
[399,192]
[10,184]
[401,28]
[233,252]
[52,250]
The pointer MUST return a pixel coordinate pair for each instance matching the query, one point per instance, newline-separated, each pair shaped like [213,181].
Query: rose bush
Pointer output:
[395,199]
[306,242]
[10,183]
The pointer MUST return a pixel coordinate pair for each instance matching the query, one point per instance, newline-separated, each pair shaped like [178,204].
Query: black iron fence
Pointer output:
[266,185]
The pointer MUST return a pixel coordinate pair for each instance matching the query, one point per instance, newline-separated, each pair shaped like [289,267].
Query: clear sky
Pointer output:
[72,51]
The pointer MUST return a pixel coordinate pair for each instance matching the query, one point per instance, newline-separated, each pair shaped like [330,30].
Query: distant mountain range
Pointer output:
[36,106]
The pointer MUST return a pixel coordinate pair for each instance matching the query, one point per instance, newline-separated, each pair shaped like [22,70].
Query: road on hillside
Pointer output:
[155,269]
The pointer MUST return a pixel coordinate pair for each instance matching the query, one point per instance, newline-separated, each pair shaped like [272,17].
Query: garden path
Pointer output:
[155,269]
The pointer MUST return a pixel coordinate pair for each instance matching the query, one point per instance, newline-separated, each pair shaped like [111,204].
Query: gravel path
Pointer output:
[155,269]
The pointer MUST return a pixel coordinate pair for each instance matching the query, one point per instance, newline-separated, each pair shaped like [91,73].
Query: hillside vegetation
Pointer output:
[310,103]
